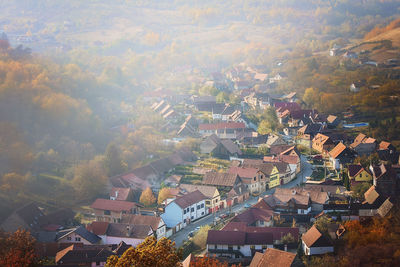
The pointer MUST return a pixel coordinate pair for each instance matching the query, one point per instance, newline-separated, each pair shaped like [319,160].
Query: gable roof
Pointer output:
[113,205]
[238,238]
[273,257]
[244,172]
[331,118]
[315,196]
[359,138]
[337,150]
[81,231]
[206,190]
[371,195]
[190,199]
[355,169]
[314,238]
[220,178]
[75,255]
[129,231]
[253,215]
[278,149]
[385,208]
[134,219]
[384,145]
[120,193]
[98,228]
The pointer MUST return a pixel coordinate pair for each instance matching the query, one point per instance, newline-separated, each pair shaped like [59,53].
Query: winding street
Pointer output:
[183,235]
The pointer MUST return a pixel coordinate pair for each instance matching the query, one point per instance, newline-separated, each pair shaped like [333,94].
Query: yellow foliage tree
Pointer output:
[147,197]
[163,194]
[150,253]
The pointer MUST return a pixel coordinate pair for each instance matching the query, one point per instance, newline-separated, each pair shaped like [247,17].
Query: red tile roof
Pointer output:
[273,257]
[244,172]
[384,145]
[190,199]
[220,179]
[113,205]
[120,193]
[337,150]
[355,169]
[222,125]
[98,228]
[314,238]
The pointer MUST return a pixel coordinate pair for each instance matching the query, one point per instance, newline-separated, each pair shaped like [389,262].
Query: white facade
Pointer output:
[302,211]
[175,215]
[316,250]
[245,249]
[74,238]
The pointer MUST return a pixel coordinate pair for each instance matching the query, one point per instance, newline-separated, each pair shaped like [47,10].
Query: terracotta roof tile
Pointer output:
[220,179]
[273,257]
[244,172]
[313,237]
[206,190]
[190,199]
[98,228]
[135,219]
[120,193]
[337,150]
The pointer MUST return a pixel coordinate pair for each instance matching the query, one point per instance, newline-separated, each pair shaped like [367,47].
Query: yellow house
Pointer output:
[274,177]
[357,173]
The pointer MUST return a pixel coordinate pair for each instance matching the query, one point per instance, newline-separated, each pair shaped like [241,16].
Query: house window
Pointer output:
[187,209]
[192,217]
[202,205]
[192,209]
[107,212]
[77,239]
[184,212]
[262,222]
[198,207]
[215,246]
[255,178]
[264,246]
[69,238]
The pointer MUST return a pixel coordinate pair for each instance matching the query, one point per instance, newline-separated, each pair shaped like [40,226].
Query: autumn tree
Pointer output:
[287,239]
[147,197]
[150,253]
[89,178]
[17,249]
[113,162]
[13,182]
[200,238]
[163,194]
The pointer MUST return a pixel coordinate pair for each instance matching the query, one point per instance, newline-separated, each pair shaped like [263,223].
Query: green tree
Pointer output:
[200,238]
[222,97]
[113,162]
[322,224]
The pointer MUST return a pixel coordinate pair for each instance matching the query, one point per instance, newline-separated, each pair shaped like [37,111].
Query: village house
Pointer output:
[115,233]
[130,180]
[289,203]
[121,193]
[275,257]
[275,140]
[363,145]
[155,222]
[306,134]
[255,216]
[77,235]
[229,184]
[340,155]
[278,233]
[322,143]
[238,116]
[107,210]
[385,179]
[270,170]
[332,121]
[189,127]
[75,255]
[225,130]
[185,209]
[314,243]
[204,103]
[213,201]
[26,217]
[237,244]
[357,174]
[254,179]
[219,148]
[317,198]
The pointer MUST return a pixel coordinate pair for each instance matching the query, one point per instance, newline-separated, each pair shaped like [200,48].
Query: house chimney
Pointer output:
[285,247]
[128,230]
[116,195]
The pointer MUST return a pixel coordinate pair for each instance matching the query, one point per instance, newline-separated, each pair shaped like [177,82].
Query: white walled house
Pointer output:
[314,243]
[237,244]
[78,235]
[185,209]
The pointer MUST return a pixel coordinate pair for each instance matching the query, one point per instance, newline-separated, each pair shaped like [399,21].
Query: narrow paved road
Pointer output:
[183,235]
